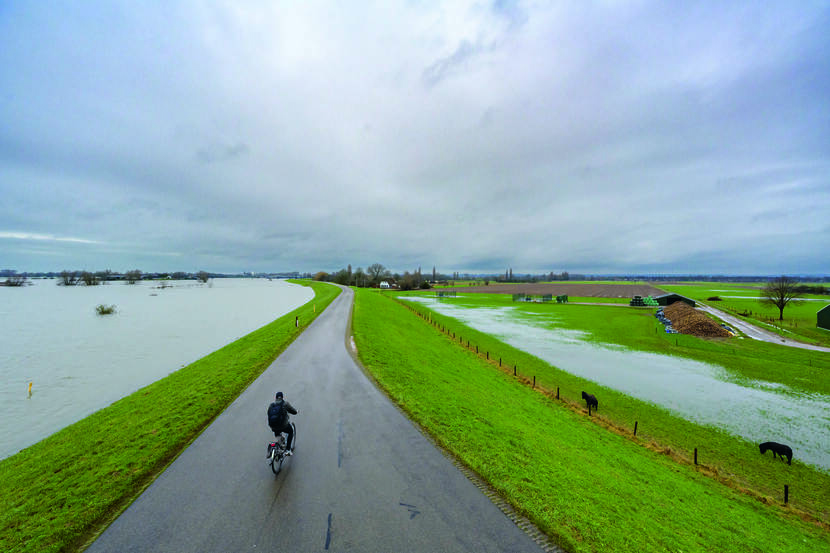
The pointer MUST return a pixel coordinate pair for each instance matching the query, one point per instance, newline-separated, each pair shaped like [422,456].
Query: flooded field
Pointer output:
[699,392]
[79,362]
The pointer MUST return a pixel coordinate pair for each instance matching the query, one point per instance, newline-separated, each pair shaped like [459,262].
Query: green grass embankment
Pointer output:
[58,493]
[733,461]
[591,488]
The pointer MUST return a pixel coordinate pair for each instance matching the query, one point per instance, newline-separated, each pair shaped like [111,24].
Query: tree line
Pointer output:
[376,274]
[90,278]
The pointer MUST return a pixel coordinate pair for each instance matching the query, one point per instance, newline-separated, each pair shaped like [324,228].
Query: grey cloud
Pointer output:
[649,137]
[455,62]
[222,152]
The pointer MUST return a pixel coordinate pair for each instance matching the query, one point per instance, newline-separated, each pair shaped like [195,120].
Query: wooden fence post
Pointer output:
[786,493]
[695,455]
[635,428]
[557,392]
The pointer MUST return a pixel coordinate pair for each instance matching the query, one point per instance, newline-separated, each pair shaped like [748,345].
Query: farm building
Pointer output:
[823,317]
[668,299]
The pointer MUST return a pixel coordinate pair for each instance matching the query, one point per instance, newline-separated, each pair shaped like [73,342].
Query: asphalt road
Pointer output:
[363,478]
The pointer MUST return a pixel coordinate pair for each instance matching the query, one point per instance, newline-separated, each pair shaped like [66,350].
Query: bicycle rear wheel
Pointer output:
[276,461]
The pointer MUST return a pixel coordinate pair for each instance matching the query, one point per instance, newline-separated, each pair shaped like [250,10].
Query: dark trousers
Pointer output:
[288,429]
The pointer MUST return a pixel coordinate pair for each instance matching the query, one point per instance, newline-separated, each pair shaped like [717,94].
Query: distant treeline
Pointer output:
[90,278]
[378,276]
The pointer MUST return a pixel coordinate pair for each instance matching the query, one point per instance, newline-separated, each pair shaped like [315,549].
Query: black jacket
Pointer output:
[286,406]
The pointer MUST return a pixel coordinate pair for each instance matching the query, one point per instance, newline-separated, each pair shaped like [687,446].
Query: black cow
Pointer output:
[778,450]
[590,401]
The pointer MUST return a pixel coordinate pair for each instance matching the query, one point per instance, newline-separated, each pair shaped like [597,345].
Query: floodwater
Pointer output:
[700,392]
[79,362]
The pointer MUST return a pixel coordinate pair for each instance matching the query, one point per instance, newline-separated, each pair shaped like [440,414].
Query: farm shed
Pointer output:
[668,299]
[823,317]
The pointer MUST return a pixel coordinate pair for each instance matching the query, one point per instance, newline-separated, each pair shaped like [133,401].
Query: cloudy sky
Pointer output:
[591,137]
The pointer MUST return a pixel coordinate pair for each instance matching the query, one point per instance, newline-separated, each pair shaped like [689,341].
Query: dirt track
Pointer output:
[579,290]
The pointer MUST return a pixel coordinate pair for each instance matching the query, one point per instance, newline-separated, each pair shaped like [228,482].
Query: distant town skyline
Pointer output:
[595,138]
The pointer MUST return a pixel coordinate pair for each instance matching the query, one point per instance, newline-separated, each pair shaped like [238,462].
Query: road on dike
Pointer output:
[363,478]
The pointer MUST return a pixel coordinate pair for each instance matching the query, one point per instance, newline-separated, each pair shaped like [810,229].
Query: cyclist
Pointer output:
[278,419]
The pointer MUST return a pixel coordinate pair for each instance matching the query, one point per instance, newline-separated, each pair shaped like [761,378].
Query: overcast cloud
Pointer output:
[590,137]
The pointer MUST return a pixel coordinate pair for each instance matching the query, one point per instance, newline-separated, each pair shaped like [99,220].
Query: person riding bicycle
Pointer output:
[278,419]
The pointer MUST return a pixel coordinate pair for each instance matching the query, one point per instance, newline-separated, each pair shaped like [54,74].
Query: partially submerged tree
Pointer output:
[780,292]
[15,280]
[132,276]
[68,278]
[90,279]
[102,309]
[203,276]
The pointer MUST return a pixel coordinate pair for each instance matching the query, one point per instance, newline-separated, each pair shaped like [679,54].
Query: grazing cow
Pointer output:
[778,450]
[590,401]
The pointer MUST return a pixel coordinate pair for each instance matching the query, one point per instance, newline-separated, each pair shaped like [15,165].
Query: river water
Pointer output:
[699,392]
[79,362]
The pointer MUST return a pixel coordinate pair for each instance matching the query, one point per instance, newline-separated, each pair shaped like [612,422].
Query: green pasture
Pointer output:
[60,492]
[586,481]
[799,316]
[637,328]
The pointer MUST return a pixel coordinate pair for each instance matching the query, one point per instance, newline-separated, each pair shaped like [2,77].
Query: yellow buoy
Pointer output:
[30,389]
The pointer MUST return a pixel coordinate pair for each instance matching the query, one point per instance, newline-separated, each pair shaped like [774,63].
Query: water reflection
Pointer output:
[699,392]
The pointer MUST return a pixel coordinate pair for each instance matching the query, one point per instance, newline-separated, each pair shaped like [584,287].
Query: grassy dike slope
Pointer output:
[589,488]
[58,493]
[732,461]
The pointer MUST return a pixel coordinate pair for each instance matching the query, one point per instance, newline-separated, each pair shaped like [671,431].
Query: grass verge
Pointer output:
[59,493]
[590,488]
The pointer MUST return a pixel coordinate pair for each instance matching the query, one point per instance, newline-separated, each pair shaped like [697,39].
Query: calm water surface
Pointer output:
[700,392]
[80,362]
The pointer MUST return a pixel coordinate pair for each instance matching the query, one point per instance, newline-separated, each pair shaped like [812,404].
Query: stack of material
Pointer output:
[687,320]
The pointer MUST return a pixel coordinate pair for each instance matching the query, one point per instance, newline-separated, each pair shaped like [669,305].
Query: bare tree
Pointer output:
[203,276]
[90,279]
[132,276]
[68,278]
[780,292]
[376,271]
[15,280]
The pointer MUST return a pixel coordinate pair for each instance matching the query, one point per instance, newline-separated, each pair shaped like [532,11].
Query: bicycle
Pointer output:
[277,451]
